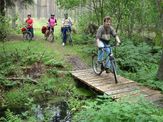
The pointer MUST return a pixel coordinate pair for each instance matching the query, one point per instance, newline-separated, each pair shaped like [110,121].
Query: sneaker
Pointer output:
[63,44]
[107,70]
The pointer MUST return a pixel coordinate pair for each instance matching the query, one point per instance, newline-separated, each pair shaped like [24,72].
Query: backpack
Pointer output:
[43,30]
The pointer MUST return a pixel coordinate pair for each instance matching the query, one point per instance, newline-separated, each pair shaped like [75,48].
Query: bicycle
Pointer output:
[99,67]
[49,35]
[27,35]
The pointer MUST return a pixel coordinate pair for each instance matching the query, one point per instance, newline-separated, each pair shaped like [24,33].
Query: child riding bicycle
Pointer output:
[52,21]
[29,23]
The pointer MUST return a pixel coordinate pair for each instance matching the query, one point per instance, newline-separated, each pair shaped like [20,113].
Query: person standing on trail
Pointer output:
[29,22]
[52,21]
[66,26]
[103,38]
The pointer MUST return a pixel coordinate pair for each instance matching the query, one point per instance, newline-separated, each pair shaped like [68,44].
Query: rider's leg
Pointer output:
[64,35]
[32,31]
[108,51]
[100,54]
[53,29]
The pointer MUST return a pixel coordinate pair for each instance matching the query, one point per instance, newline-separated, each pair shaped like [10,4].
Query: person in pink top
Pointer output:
[52,21]
[29,22]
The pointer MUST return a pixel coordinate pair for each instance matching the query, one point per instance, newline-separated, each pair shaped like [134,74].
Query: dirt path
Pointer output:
[71,58]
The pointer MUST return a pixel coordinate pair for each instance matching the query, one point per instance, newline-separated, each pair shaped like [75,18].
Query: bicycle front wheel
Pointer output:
[113,68]
[97,67]
[27,36]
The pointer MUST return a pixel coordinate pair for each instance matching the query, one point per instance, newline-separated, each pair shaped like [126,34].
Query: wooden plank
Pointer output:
[128,93]
[92,77]
[82,71]
[111,87]
[146,92]
[155,97]
[100,80]
[95,78]
[127,89]
[109,77]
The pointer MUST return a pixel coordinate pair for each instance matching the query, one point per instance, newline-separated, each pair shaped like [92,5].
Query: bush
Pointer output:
[122,111]
[132,58]
[4,29]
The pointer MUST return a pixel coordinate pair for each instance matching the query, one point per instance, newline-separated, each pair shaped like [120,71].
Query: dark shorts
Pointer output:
[51,28]
[107,42]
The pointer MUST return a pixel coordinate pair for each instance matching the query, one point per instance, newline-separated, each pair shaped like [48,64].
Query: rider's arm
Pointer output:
[98,36]
[70,21]
[55,21]
[117,39]
[114,34]
[98,42]
[63,21]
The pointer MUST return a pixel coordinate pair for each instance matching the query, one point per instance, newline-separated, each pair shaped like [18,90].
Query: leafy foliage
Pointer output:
[10,117]
[131,57]
[107,111]
[4,27]
[70,4]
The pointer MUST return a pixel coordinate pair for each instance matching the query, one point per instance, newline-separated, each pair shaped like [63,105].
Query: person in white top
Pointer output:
[66,26]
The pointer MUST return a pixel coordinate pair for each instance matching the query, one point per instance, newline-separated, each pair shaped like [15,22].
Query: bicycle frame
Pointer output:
[68,35]
[100,67]
[49,35]
[27,35]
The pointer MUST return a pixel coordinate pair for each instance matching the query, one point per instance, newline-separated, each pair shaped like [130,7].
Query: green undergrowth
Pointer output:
[140,63]
[31,74]
[104,109]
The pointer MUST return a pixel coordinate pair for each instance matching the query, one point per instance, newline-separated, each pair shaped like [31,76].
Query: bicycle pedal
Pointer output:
[107,70]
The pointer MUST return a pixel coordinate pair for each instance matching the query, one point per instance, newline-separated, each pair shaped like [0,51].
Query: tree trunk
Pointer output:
[96,12]
[14,17]
[160,70]
[52,6]
[2,15]
[160,10]
[21,10]
[38,9]
[44,3]
[2,7]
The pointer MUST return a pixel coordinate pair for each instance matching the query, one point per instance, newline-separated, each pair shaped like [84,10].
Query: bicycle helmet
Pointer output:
[52,14]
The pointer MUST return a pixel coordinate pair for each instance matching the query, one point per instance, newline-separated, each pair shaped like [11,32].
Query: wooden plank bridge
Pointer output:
[105,83]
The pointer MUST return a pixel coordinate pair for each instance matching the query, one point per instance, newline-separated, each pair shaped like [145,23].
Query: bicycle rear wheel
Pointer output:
[113,68]
[51,37]
[69,37]
[97,67]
